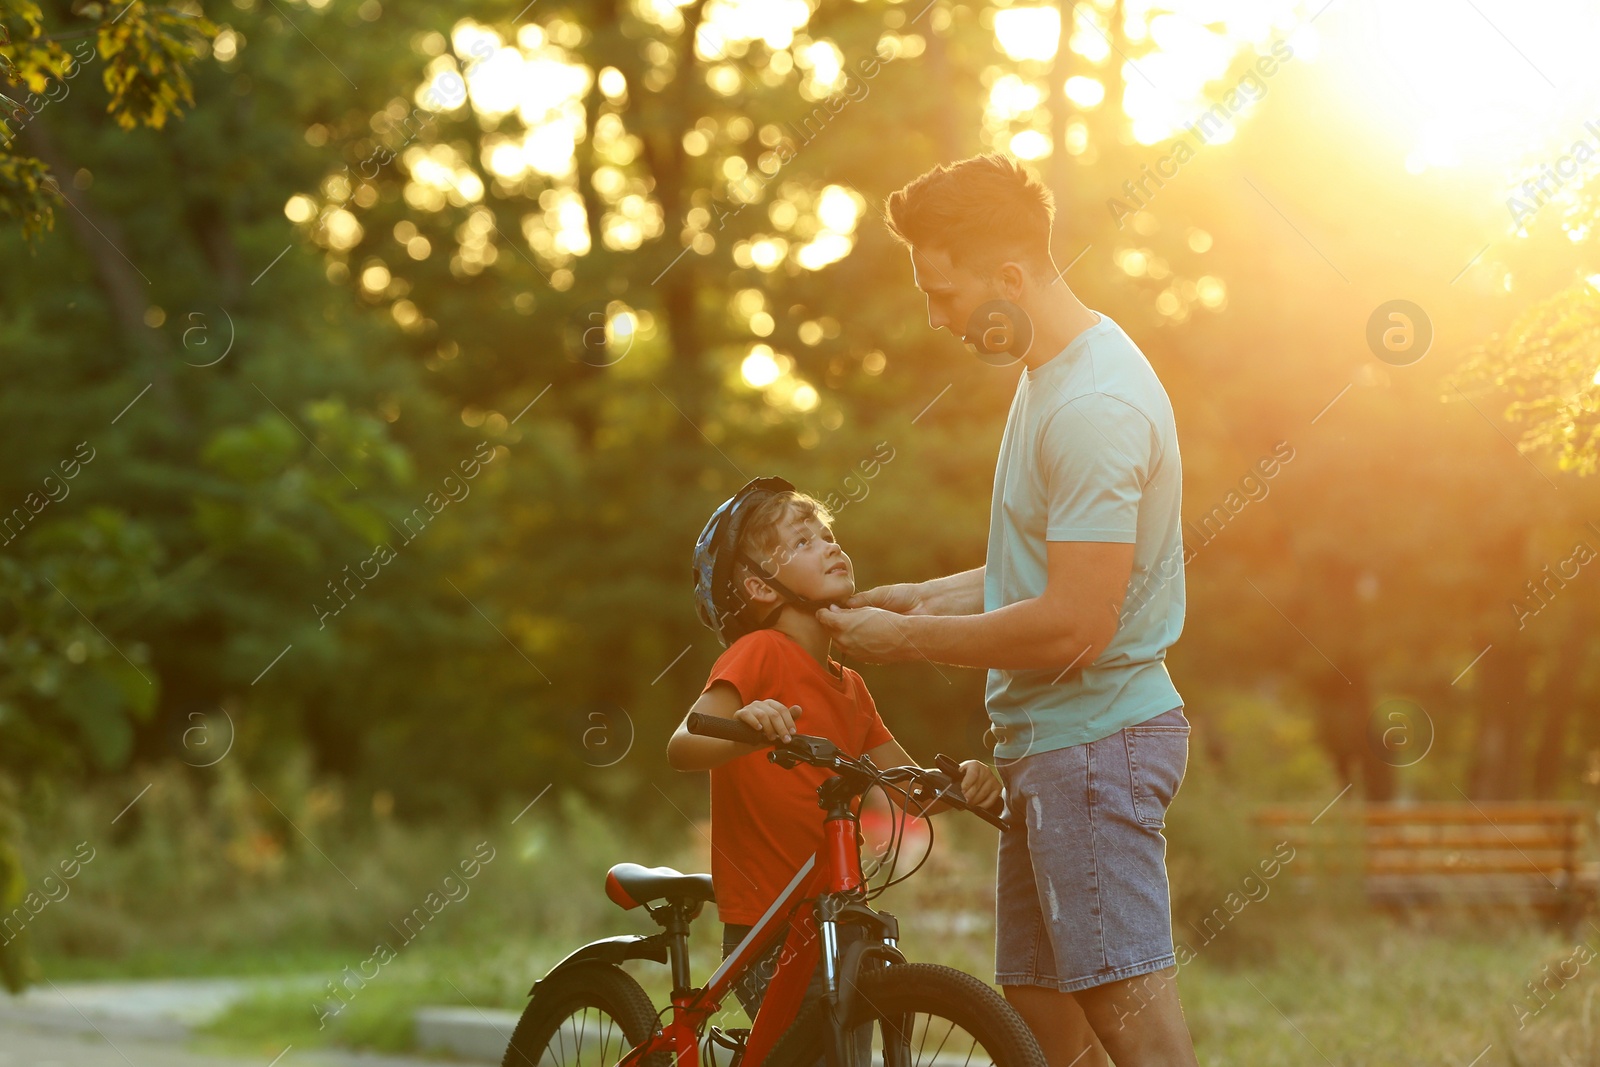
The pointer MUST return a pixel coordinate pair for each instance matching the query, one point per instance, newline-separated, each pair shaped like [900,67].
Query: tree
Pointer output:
[144,53]
[78,695]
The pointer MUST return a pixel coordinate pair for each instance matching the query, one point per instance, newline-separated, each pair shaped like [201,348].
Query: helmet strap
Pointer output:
[798,602]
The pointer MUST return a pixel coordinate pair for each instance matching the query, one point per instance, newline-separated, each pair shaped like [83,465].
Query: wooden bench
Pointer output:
[1418,855]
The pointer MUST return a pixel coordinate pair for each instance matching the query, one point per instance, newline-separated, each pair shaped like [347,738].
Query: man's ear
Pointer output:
[1012,280]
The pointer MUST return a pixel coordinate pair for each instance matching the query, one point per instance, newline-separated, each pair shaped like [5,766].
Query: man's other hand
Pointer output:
[868,634]
[901,599]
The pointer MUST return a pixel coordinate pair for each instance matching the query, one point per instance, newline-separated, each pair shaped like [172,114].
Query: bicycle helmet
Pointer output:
[718,599]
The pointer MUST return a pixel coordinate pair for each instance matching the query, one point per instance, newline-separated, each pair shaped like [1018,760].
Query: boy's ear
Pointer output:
[759,592]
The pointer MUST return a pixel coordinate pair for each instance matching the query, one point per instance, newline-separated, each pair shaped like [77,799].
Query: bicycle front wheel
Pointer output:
[920,1015]
[589,1015]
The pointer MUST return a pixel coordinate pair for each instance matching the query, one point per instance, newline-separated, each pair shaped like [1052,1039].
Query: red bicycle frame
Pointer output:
[846,936]
[838,872]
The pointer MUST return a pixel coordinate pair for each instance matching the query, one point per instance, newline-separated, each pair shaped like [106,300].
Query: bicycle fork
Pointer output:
[871,942]
[855,939]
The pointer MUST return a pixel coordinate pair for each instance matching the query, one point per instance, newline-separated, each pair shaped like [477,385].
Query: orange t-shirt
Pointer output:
[765,821]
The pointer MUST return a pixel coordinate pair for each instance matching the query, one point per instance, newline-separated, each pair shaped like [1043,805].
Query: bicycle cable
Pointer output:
[891,856]
[909,874]
[900,842]
[926,853]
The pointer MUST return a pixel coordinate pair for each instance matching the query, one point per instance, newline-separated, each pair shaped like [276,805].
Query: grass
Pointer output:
[205,882]
[1373,993]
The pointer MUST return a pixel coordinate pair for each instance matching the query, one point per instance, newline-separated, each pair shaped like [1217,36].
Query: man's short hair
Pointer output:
[983,211]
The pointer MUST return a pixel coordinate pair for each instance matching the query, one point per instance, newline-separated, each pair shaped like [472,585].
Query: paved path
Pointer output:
[148,1024]
[22,1045]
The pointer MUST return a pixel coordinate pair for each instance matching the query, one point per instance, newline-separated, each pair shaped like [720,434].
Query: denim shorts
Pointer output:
[1081,893]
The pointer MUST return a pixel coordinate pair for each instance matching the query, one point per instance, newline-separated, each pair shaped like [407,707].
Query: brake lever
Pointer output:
[953,769]
[927,786]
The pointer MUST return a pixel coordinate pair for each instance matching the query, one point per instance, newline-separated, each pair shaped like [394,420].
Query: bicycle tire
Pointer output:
[599,987]
[912,989]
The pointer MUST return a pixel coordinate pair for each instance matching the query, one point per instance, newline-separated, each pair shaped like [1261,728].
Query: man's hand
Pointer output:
[955,594]
[772,717]
[868,634]
[980,786]
[902,599]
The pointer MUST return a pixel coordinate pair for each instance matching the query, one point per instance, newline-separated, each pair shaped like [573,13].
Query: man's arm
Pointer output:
[1067,626]
[955,594]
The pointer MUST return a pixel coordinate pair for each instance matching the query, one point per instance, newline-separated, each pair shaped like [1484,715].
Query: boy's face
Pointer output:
[808,560]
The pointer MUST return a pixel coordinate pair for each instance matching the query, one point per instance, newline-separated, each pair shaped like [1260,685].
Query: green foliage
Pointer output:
[22,191]
[147,60]
[15,963]
[146,50]
[70,698]
[1545,361]
[367,335]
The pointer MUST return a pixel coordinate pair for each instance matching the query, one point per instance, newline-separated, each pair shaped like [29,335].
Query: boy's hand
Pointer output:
[771,717]
[980,785]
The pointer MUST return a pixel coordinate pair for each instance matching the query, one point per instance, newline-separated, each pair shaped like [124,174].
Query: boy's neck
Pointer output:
[806,631]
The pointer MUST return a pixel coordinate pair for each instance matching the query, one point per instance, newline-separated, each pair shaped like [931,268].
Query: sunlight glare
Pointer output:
[1028,32]
[1504,85]
[759,369]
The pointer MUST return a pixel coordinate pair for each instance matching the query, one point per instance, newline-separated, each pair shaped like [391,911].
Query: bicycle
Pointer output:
[907,1013]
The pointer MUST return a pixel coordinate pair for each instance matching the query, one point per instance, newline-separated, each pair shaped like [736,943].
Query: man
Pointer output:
[1078,600]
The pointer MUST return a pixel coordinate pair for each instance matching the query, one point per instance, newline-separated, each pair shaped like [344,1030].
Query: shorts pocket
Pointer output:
[1157,757]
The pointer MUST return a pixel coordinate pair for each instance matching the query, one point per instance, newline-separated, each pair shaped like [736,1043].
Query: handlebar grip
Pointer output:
[727,729]
[999,822]
[953,769]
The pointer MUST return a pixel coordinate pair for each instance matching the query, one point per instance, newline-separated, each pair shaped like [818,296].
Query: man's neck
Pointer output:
[806,631]
[1059,318]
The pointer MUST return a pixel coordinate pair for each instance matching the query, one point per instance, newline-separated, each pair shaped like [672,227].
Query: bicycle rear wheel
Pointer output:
[921,1015]
[588,1016]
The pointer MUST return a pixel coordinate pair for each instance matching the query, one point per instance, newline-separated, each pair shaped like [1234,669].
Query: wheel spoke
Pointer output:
[946,1037]
[910,1039]
[604,1034]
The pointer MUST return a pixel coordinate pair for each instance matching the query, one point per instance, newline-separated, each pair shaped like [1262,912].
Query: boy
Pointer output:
[765,564]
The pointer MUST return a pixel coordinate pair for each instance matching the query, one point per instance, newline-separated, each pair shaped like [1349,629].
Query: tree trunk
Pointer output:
[126,287]
[1502,722]
[604,32]
[946,132]
[677,280]
[1560,692]
[1331,698]
[1056,101]
[1377,760]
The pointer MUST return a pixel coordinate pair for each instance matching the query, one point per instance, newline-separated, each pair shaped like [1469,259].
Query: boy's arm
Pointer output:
[691,752]
[955,594]
[978,783]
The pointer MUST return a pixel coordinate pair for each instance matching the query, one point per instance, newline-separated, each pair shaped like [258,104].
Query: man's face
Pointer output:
[954,293]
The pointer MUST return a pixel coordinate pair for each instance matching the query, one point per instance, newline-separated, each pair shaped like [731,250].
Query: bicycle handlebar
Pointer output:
[727,729]
[819,752]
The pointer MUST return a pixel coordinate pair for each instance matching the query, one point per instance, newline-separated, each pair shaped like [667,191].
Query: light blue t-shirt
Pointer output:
[1090,453]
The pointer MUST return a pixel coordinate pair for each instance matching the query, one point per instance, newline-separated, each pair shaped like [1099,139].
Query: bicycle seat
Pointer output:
[630,886]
